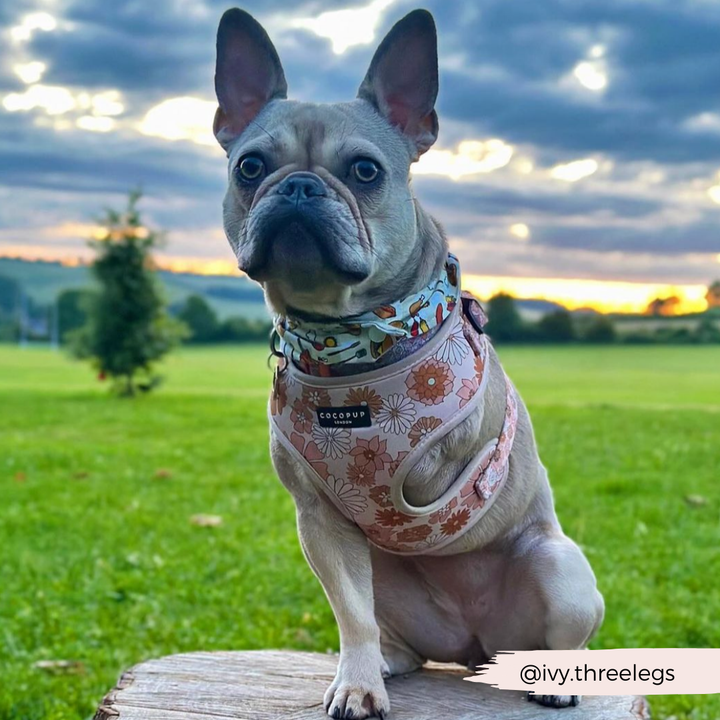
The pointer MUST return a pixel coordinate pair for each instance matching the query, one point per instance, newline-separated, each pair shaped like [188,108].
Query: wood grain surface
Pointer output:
[274,685]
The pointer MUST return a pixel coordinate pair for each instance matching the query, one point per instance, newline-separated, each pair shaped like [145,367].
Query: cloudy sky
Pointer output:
[580,139]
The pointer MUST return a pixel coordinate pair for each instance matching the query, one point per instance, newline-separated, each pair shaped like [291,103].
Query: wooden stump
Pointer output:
[275,685]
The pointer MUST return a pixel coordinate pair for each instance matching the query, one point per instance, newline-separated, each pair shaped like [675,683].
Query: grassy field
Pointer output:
[101,565]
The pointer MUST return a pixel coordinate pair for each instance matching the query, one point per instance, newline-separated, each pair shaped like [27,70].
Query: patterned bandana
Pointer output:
[316,347]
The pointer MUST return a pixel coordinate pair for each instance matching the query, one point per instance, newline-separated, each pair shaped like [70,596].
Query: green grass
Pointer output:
[100,564]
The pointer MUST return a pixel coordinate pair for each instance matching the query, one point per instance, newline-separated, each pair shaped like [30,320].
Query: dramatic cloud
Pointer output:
[577,139]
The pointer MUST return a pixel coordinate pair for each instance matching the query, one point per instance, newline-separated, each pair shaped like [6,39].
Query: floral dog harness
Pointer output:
[360,435]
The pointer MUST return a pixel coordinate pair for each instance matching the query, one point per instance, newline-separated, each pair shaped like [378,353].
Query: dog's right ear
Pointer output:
[248,74]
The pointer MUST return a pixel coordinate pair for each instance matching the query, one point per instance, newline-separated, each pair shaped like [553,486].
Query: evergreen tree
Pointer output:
[128,327]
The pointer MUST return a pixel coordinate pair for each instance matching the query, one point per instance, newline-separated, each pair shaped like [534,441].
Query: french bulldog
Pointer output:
[320,212]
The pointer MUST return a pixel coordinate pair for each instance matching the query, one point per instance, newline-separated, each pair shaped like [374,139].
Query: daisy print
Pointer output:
[454,349]
[331,441]
[397,414]
[348,495]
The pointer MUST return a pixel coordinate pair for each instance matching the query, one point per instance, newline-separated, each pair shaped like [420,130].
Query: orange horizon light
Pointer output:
[604,296]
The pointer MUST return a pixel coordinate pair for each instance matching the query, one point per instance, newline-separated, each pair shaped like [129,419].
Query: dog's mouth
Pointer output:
[304,244]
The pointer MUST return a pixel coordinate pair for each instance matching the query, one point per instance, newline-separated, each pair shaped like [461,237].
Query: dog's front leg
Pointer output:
[338,553]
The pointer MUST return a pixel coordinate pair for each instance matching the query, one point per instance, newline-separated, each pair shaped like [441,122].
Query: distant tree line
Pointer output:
[506,325]
[75,306]
[21,316]
[9,309]
[204,325]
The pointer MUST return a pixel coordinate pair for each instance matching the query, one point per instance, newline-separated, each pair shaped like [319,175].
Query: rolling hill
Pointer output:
[44,281]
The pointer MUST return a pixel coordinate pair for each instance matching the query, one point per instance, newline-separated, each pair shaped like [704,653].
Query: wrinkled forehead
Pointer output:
[308,134]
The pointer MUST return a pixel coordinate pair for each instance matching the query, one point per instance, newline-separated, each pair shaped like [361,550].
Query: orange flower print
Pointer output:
[414,534]
[456,522]
[390,517]
[364,396]
[479,366]
[315,398]
[371,452]
[378,535]
[467,391]
[444,512]
[311,453]
[362,474]
[380,494]
[422,428]
[430,382]
[301,417]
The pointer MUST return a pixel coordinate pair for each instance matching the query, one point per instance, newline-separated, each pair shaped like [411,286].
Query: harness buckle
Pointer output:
[473,311]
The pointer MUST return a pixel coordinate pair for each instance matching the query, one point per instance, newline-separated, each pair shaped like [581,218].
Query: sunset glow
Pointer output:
[602,296]
[198,266]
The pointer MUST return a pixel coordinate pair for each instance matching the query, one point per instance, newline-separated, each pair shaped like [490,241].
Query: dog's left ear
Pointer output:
[248,74]
[402,82]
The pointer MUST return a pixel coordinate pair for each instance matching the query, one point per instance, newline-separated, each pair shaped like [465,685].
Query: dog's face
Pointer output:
[318,208]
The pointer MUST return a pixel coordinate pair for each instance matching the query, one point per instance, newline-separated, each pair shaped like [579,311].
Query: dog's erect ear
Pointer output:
[248,74]
[402,82]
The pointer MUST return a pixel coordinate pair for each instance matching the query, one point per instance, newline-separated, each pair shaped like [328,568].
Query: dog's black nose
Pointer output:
[299,186]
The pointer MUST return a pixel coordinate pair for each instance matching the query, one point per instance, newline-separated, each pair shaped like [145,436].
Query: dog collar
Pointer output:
[319,348]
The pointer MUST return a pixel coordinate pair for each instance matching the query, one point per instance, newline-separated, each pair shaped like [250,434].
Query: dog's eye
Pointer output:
[365,170]
[250,168]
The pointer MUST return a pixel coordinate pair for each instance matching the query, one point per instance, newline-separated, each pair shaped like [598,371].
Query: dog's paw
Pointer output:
[555,701]
[356,694]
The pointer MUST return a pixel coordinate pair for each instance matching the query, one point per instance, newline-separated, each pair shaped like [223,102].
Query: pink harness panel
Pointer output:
[360,435]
